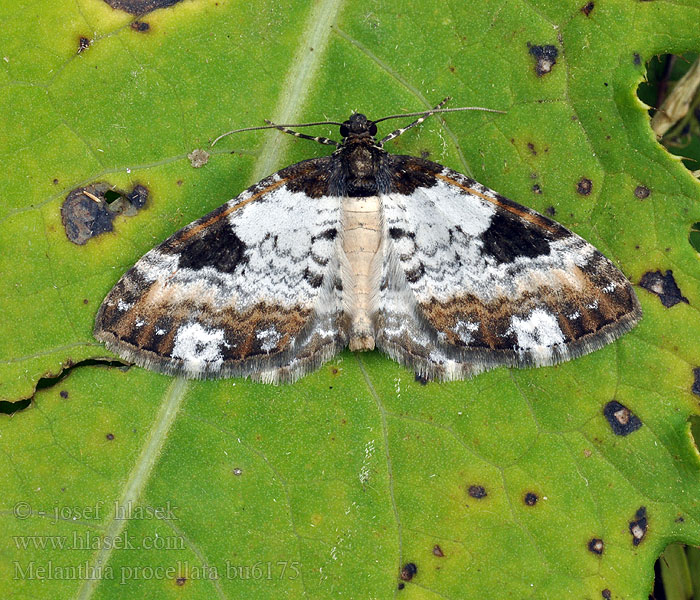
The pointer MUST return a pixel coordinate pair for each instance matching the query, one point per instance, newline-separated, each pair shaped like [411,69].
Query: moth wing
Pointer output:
[472,280]
[251,289]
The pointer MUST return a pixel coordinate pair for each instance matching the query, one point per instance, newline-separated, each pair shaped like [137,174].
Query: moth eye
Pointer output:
[344,131]
[373,129]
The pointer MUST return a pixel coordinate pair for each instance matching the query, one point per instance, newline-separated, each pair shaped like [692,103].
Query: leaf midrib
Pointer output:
[302,70]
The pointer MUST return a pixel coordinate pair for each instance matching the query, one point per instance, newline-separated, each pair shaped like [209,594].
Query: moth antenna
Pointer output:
[433,111]
[223,135]
[422,116]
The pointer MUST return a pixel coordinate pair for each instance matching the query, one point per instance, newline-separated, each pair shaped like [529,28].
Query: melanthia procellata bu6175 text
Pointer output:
[367,249]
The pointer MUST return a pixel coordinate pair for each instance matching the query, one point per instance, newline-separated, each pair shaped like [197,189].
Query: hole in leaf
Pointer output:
[695,429]
[9,408]
[675,81]
[111,196]
[694,237]
[672,572]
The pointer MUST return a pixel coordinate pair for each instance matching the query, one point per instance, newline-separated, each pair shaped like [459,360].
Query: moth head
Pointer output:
[358,125]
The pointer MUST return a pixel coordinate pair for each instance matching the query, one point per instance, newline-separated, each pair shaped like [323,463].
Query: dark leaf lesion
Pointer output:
[89,211]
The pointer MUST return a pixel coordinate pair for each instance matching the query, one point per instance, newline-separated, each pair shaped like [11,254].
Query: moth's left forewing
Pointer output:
[250,289]
[481,281]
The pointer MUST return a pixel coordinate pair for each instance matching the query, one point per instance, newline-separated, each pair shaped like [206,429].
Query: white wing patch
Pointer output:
[278,253]
[198,347]
[538,332]
[445,229]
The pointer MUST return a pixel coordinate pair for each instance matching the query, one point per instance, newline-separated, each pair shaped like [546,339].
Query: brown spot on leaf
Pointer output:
[584,186]
[642,192]
[587,9]
[477,491]
[140,26]
[551,211]
[181,581]
[637,60]
[238,471]
[531,148]
[140,7]
[545,58]
[606,594]
[63,394]
[638,527]
[90,210]
[110,436]
[83,44]
[596,546]
[696,381]
[531,499]
[408,571]
[198,158]
[622,421]
[437,551]
[664,286]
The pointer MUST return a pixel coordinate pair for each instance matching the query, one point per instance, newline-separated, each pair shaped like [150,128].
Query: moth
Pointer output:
[366,249]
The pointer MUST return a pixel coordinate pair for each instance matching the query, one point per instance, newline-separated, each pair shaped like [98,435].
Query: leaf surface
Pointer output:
[512,484]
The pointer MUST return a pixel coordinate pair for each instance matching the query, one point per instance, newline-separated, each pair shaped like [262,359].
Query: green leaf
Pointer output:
[512,484]
[675,573]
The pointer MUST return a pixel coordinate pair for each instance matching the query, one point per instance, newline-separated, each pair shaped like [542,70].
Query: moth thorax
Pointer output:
[362,163]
